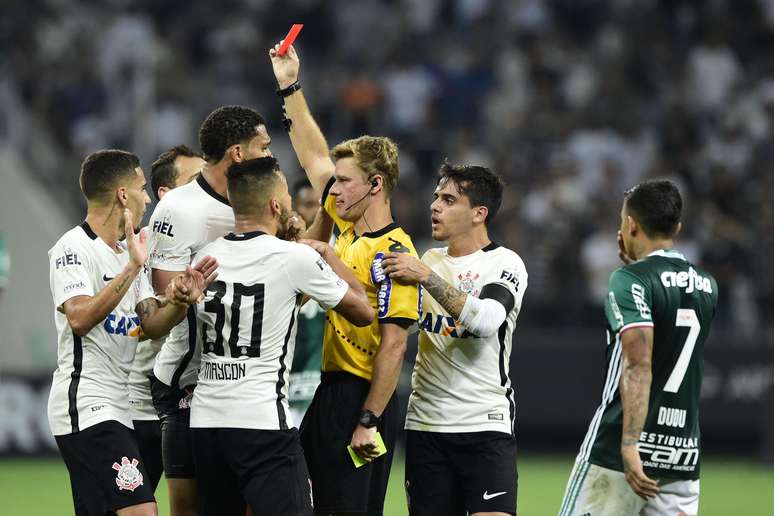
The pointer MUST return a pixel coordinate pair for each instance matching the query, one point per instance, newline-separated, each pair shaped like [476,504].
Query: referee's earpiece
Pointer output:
[374,184]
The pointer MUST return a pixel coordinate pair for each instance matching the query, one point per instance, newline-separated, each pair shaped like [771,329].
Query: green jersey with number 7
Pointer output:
[678,300]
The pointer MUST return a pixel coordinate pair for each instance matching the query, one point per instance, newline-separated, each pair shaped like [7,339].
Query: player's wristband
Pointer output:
[286,92]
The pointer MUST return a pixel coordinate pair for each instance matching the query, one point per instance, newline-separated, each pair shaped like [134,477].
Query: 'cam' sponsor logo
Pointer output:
[119,324]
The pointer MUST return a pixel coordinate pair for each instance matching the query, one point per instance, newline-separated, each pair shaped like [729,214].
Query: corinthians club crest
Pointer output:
[128,477]
[467,283]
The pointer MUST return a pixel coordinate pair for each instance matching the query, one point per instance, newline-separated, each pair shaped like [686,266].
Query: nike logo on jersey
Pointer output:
[106,279]
[488,496]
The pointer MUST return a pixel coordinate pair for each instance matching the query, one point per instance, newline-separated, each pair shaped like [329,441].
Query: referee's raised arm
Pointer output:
[308,140]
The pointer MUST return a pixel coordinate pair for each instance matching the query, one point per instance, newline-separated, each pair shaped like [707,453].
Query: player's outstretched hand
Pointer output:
[285,67]
[405,268]
[292,227]
[622,250]
[644,486]
[364,443]
[137,246]
[189,287]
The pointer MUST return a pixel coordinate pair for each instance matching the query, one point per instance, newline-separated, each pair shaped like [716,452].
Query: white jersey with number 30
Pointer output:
[461,383]
[247,327]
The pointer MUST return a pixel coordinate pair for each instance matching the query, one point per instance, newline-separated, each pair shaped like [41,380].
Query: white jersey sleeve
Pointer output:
[310,274]
[142,288]
[176,233]
[70,270]
[512,277]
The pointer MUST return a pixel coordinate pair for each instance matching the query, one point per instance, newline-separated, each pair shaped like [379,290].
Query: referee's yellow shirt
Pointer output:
[345,346]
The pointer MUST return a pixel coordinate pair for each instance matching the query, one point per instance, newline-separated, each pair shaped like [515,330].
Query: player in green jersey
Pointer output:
[641,453]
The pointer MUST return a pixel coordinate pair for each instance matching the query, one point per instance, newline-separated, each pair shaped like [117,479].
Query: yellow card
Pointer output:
[380,447]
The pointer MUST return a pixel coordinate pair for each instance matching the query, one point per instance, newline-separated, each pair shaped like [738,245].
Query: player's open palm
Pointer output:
[285,67]
[189,287]
[644,486]
[136,244]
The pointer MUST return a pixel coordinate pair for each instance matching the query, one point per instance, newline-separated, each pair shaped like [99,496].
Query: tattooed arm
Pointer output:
[158,316]
[85,312]
[410,269]
[450,298]
[636,376]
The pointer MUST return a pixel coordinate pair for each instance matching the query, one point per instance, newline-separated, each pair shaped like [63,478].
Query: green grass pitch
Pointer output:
[728,487]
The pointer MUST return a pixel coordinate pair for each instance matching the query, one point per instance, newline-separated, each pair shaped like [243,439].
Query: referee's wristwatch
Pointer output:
[368,419]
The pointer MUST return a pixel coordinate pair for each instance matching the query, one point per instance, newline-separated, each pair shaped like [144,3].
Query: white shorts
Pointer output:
[597,491]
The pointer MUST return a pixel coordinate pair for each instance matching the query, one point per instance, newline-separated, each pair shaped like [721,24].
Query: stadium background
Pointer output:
[571,101]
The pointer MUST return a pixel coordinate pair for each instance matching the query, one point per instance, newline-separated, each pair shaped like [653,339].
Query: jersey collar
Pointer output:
[386,229]
[243,236]
[87,229]
[669,253]
[210,190]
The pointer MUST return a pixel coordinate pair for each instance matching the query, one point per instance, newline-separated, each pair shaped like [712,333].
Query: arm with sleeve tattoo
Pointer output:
[636,377]
[450,298]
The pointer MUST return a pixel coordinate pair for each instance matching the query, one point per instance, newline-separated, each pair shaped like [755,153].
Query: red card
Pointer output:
[290,38]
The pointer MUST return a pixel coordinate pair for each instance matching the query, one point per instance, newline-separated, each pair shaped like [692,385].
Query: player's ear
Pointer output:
[235,153]
[121,195]
[276,209]
[679,228]
[162,191]
[632,226]
[480,213]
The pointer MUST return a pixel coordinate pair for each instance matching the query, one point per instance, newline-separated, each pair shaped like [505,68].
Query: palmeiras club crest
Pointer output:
[467,283]
[128,477]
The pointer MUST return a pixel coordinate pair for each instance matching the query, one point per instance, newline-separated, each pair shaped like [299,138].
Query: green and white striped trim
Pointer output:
[574,486]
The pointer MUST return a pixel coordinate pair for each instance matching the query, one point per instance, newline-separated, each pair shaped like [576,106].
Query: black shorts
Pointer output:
[174,408]
[461,473]
[148,435]
[106,470]
[326,431]
[266,468]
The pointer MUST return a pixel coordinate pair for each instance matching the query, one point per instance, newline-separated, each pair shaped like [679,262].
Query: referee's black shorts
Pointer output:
[454,474]
[326,431]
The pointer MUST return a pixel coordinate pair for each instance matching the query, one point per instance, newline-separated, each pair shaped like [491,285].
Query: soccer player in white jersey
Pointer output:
[246,448]
[175,167]
[103,301]
[184,221]
[460,443]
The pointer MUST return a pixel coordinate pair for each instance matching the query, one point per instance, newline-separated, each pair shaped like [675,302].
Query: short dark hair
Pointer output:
[227,126]
[250,183]
[102,170]
[163,171]
[299,185]
[657,206]
[482,186]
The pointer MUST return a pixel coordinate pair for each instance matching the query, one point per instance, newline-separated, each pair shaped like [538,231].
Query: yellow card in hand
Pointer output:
[358,460]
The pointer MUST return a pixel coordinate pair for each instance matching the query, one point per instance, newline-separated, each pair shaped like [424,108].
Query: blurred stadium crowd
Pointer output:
[572,101]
